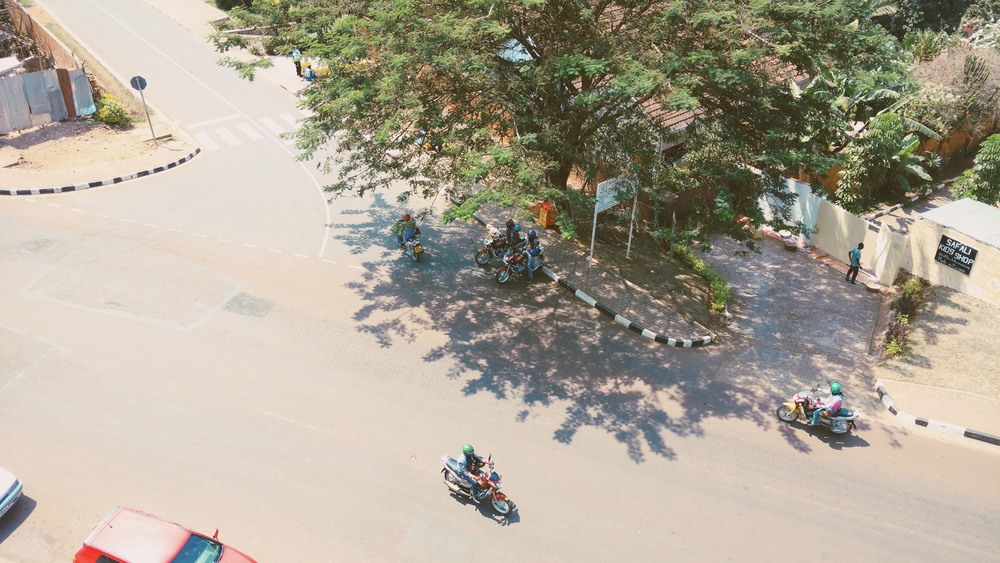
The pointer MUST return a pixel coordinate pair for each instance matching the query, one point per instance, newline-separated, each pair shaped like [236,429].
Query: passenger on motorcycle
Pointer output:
[469,464]
[514,238]
[830,404]
[405,229]
[532,245]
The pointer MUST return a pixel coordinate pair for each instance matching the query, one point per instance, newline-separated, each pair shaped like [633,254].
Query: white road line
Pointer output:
[355,267]
[300,256]
[228,137]
[272,125]
[275,250]
[249,131]
[248,245]
[151,225]
[174,230]
[206,142]
[213,121]
[223,240]
[126,220]
[291,119]
[199,235]
[54,205]
[327,261]
[78,210]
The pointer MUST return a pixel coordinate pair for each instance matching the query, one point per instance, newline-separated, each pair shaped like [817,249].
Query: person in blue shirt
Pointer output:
[309,74]
[469,464]
[855,257]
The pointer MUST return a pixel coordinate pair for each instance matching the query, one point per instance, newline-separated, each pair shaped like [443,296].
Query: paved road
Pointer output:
[299,400]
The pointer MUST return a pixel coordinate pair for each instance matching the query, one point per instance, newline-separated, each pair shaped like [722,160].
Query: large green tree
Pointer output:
[519,94]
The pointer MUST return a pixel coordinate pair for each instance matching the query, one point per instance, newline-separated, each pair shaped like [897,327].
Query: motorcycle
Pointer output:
[801,407]
[488,481]
[413,248]
[517,263]
[494,246]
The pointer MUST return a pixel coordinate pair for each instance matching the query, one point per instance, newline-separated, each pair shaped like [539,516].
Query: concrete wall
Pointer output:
[839,231]
[983,281]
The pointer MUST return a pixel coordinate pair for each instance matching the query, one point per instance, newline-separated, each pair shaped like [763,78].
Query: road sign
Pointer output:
[611,192]
[138,82]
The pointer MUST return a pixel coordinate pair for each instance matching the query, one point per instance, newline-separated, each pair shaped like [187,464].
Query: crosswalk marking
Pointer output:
[206,141]
[213,121]
[250,131]
[272,125]
[228,137]
[290,119]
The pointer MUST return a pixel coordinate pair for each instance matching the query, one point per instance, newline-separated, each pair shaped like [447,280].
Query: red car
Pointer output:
[131,536]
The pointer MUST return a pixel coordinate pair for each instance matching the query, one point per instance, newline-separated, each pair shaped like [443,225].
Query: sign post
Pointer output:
[955,254]
[139,83]
[608,195]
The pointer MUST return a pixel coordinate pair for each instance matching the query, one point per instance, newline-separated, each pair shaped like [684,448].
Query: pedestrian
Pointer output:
[854,256]
[309,74]
[297,59]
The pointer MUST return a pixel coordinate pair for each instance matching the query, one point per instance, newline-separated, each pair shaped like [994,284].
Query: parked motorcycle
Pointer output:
[413,248]
[801,407]
[488,482]
[517,263]
[494,246]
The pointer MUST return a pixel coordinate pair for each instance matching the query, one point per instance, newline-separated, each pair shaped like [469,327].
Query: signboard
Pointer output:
[955,254]
[138,82]
[611,192]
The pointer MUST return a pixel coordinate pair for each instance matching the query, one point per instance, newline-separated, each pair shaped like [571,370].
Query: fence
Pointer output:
[37,98]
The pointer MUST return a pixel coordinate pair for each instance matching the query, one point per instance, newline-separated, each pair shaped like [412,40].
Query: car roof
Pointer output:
[133,535]
[7,480]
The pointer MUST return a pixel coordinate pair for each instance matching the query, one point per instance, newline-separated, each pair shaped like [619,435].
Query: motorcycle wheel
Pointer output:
[416,256]
[503,276]
[786,414]
[838,427]
[483,258]
[502,507]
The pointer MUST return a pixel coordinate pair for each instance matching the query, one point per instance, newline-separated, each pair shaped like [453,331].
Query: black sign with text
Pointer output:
[956,255]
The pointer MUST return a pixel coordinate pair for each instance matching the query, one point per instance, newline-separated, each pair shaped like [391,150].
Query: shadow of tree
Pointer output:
[539,347]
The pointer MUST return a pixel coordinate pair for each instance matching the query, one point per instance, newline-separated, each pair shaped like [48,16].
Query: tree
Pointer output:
[519,94]
[982,181]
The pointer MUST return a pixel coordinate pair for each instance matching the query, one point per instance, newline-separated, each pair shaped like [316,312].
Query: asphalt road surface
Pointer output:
[202,345]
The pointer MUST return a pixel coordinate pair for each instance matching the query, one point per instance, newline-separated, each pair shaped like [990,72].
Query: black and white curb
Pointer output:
[676,342]
[115,180]
[883,395]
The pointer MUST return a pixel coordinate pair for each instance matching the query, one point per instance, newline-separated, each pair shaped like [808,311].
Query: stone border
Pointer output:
[883,395]
[912,199]
[96,184]
[676,342]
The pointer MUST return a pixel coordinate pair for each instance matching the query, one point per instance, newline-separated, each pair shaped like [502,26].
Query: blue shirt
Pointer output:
[855,256]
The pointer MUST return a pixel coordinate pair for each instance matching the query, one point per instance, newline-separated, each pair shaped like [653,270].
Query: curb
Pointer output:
[883,395]
[676,342]
[96,184]
[912,199]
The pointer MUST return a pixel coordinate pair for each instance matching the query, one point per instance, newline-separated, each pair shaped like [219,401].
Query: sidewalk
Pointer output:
[629,305]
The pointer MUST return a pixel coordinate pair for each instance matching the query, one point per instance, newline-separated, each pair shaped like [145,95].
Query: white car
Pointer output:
[10,490]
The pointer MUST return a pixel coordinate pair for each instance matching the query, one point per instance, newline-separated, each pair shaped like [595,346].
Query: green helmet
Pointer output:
[468,449]
[834,387]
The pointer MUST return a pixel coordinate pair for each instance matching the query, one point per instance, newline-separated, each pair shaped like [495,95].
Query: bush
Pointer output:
[112,113]
[897,334]
[911,298]
[717,285]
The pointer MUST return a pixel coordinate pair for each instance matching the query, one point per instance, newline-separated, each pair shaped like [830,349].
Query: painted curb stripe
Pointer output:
[932,424]
[99,183]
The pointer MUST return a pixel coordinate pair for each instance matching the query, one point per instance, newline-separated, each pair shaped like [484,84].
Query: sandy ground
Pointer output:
[72,144]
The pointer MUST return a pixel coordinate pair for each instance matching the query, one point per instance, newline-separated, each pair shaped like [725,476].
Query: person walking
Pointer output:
[297,59]
[855,258]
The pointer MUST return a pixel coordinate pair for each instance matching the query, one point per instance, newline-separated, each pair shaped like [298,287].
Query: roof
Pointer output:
[969,217]
[131,535]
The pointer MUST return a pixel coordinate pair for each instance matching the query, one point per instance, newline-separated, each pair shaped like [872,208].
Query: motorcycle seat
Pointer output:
[844,412]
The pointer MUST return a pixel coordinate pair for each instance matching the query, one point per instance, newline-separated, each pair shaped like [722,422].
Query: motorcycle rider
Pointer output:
[831,404]
[469,464]
[405,229]
[515,241]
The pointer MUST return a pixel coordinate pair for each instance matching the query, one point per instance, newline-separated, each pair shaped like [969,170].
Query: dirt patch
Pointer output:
[72,144]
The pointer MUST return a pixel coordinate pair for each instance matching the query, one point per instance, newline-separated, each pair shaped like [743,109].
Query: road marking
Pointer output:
[327,261]
[250,131]
[199,235]
[206,141]
[213,121]
[300,256]
[54,205]
[223,240]
[151,225]
[272,126]
[248,245]
[174,230]
[291,119]
[275,250]
[78,210]
[125,220]
[355,267]
[228,137]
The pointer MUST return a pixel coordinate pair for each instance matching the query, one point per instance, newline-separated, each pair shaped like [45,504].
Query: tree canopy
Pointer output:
[518,95]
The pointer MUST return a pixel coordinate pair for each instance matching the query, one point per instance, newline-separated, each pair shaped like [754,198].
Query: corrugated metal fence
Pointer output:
[37,98]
